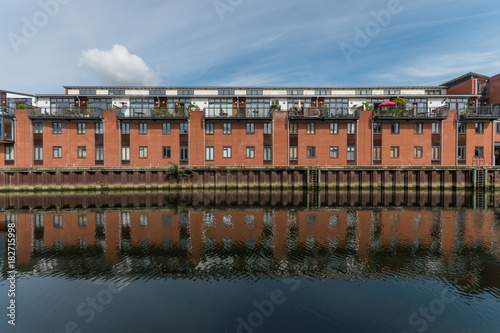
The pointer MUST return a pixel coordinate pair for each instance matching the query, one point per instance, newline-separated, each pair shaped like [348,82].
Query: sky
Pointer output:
[48,44]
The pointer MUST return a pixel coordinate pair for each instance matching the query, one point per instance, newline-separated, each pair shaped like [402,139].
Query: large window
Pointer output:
[418,152]
[377,153]
[82,152]
[295,92]
[479,151]
[99,153]
[125,153]
[334,152]
[116,92]
[351,153]
[257,107]
[294,153]
[226,128]
[459,104]
[337,106]
[81,128]
[59,105]
[311,152]
[395,152]
[436,153]
[166,152]
[226,92]
[461,153]
[57,128]
[9,153]
[250,152]
[363,92]
[268,153]
[209,153]
[226,152]
[250,128]
[102,103]
[220,107]
[141,107]
[57,152]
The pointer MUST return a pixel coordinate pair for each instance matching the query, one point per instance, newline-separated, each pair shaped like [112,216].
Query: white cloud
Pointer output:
[117,67]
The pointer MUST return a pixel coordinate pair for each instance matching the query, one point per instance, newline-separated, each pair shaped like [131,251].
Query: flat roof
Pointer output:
[244,88]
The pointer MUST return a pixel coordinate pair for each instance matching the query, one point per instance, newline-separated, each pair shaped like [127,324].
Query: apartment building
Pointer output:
[447,125]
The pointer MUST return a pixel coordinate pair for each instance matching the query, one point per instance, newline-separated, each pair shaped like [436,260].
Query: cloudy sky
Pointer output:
[47,44]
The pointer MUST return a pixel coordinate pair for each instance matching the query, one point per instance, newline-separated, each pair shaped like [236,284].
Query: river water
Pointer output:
[252,262]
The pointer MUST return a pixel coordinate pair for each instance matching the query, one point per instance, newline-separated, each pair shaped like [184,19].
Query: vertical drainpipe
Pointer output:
[371,148]
[492,142]
[204,131]
[272,137]
[120,142]
[442,135]
[456,142]
[288,140]
[31,141]
[103,138]
[357,143]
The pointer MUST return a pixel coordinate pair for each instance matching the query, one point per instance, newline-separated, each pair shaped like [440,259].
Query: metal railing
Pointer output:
[480,112]
[398,112]
[314,112]
[72,112]
[240,113]
[6,112]
[160,112]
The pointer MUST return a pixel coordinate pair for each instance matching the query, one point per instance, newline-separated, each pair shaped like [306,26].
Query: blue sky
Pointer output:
[48,44]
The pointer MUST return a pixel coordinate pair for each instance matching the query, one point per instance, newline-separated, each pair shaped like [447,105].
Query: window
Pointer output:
[143,128]
[125,128]
[268,128]
[250,152]
[419,128]
[461,153]
[82,221]
[99,128]
[363,92]
[82,152]
[165,128]
[37,128]
[209,153]
[38,153]
[377,128]
[143,152]
[433,92]
[395,128]
[183,128]
[101,103]
[311,128]
[392,92]
[250,128]
[377,153]
[226,152]
[436,128]
[166,152]
[141,107]
[334,152]
[418,152]
[436,153]
[395,152]
[56,128]
[80,128]
[479,128]
[462,127]
[351,128]
[479,151]
[57,152]
[125,153]
[294,128]
[226,128]
[295,92]
[311,152]
[294,153]
[268,153]
[9,153]
[226,92]
[116,92]
[209,128]
[87,92]
[184,153]
[323,92]
[255,92]
[58,221]
[185,92]
[498,128]
[99,153]
[334,128]
[351,153]
[156,92]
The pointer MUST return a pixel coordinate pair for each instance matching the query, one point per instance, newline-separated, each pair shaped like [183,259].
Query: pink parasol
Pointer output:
[387,104]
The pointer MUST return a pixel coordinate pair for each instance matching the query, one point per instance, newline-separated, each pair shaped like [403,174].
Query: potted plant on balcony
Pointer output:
[275,104]
[192,107]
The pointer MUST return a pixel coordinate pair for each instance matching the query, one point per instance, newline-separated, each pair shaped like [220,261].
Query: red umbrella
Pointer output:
[387,104]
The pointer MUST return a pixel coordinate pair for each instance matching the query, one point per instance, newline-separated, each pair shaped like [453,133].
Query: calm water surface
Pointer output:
[253,262]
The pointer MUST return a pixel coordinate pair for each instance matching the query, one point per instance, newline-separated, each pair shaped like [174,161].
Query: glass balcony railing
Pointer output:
[239,113]
[72,112]
[326,113]
[410,113]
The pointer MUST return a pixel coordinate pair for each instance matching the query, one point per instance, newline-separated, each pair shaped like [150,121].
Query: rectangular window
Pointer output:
[419,128]
[392,92]
[56,128]
[395,152]
[250,152]
[334,152]
[57,152]
[433,92]
[125,153]
[184,153]
[351,128]
[165,128]
[268,128]
[395,128]
[418,152]
[38,153]
[58,221]
[498,128]
[226,92]
[82,152]
[81,128]
[311,128]
[143,152]
[116,92]
[226,152]
[351,153]
[255,92]
[183,128]
[37,128]
[185,92]
[226,128]
[268,153]
[294,153]
[334,128]
[461,153]
[462,127]
[143,128]
[166,153]
[87,92]
[209,153]
[323,92]
[377,153]
[99,128]
[377,128]
[479,151]
[436,128]
[295,92]
[363,92]
[294,128]
[479,128]
[125,128]
[209,128]
[99,153]
[9,153]
[250,128]
[156,92]
[436,153]
[311,152]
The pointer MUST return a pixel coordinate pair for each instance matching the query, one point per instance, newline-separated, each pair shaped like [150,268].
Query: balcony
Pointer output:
[480,113]
[155,113]
[74,112]
[240,114]
[398,113]
[6,125]
[5,112]
[314,113]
